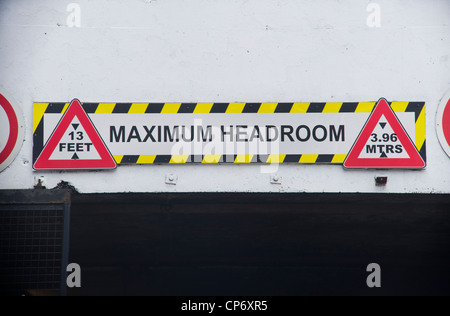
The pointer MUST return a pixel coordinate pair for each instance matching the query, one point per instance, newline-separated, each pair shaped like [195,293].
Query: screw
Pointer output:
[171,179]
[276,179]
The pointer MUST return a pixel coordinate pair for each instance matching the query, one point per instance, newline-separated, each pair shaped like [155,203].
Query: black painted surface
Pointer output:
[251,244]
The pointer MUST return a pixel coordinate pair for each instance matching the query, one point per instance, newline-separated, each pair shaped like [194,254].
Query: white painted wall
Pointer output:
[226,51]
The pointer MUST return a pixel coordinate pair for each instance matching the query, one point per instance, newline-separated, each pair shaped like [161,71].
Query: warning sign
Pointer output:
[75,144]
[443,123]
[384,143]
[215,133]
[11,132]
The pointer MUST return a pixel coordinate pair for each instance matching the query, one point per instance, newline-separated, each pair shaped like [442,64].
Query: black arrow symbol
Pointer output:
[75,157]
[383,155]
[383,125]
[75,126]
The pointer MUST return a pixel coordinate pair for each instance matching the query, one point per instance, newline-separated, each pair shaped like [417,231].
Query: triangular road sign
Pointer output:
[384,143]
[75,144]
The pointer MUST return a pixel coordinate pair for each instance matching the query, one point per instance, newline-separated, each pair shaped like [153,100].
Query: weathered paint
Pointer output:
[227,51]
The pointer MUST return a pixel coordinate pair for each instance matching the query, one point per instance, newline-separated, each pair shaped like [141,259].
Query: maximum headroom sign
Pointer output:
[102,135]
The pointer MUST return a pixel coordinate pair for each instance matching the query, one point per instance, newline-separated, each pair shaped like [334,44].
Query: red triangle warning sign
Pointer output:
[75,144]
[384,143]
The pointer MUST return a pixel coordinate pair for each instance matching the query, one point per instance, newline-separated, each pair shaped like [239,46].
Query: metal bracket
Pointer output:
[276,179]
[171,179]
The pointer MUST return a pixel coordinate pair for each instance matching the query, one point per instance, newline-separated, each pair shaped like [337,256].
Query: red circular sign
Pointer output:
[443,123]
[446,122]
[13,129]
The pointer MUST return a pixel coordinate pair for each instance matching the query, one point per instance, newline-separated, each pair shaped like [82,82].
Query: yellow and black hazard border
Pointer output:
[40,109]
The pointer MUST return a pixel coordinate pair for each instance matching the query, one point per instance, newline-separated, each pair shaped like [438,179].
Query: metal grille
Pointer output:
[33,249]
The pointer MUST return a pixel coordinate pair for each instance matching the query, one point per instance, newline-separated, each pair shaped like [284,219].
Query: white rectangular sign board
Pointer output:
[150,133]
